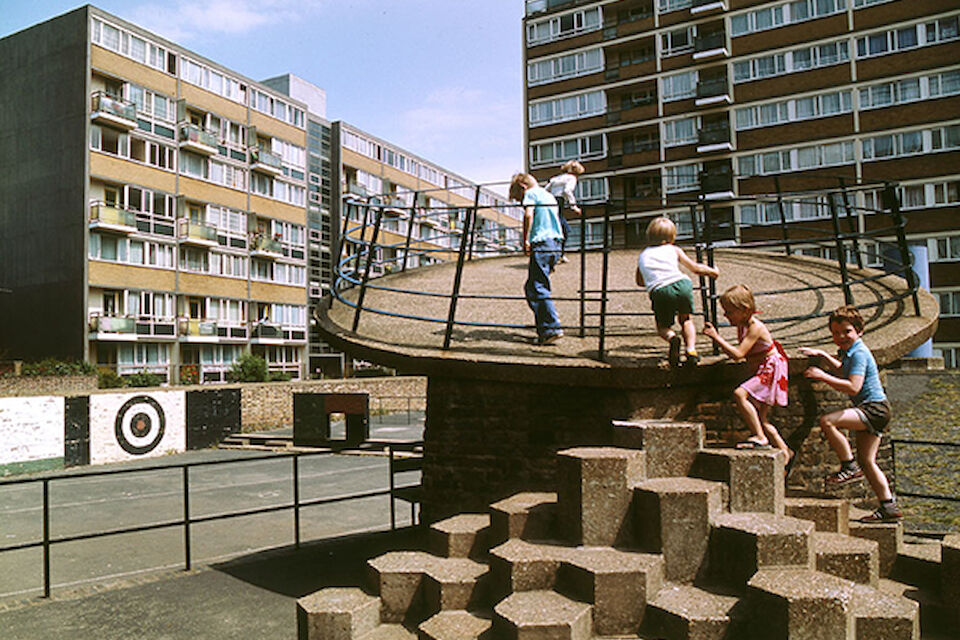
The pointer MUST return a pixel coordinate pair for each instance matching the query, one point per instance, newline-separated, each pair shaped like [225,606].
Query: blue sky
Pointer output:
[441,78]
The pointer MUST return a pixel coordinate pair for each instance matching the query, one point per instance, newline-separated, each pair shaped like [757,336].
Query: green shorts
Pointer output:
[671,299]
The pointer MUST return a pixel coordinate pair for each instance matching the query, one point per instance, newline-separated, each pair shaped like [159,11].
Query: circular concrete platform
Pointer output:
[631,343]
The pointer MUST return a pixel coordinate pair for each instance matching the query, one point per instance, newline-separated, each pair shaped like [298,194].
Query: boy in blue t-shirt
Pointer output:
[859,378]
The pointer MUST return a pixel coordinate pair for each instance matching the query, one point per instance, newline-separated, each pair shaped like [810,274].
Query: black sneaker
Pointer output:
[691,360]
[844,476]
[886,513]
[674,357]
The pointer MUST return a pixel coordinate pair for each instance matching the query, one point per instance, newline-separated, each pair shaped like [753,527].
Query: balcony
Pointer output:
[710,45]
[266,162]
[267,333]
[198,330]
[123,327]
[198,139]
[703,7]
[196,233]
[716,185]
[714,138]
[264,247]
[106,218]
[113,112]
[713,91]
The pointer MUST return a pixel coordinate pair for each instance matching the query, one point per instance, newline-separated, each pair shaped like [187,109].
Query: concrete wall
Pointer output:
[43,141]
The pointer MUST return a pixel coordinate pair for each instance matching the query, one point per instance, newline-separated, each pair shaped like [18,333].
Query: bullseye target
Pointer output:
[140,425]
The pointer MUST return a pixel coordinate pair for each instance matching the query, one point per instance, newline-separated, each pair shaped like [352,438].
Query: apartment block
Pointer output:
[154,205]
[670,103]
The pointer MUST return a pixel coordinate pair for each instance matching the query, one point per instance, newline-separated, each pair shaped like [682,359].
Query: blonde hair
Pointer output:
[519,184]
[661,229]
[739,297]
[572,166]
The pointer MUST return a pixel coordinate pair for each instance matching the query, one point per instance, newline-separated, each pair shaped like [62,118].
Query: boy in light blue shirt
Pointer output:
[870,415]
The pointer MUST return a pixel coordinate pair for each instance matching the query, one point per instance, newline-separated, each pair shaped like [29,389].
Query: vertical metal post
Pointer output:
[711,283]
[472,229]
[393,508]
[704,297]
[186,518]
[46,538]
[783,216]
[343,235]
[892,202]
[366,272]
[851,224]
[296,501]
[458,278]
[410,221]
[841,249]
[583,274]
[603,284]
[626,244]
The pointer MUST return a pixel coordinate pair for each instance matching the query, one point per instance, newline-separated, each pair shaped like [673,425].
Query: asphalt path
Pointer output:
[87,505]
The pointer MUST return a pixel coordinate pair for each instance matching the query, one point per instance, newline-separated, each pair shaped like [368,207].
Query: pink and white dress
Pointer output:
[769,364]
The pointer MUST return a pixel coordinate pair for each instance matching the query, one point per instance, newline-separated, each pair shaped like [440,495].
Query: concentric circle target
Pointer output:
[140,424]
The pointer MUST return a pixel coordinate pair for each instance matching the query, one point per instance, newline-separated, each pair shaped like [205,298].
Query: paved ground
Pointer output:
[133,585]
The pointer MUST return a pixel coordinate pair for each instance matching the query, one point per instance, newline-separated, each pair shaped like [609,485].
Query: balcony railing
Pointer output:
[109,110]
[113,324]
[266,330]
[196,327]
[197,233]
[710,41]
[103,216]
[703,6]
[713,87]
[197,138]
[265,161]
[714,135]
[716,181]
[263,244]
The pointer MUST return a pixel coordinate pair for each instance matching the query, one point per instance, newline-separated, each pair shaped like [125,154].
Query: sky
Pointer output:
[439,78]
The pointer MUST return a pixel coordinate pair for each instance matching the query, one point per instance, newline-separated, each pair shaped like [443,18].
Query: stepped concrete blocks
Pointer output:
[935,614]
[755,478]
[684,611]
[455,625]
[461,536]
[594,492]
[517,565]
[672,516]
[337,614]
[853,559]
[529,515]
[889,535]
[919,565]
[950,574]
[389,632]
[541,615]
[831,515]
[617,583]
[743,543]
[671,447]
[880,616]
[397,577]
[454,583]
[799,604]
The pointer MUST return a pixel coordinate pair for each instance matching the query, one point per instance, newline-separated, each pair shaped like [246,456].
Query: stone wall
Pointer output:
[11,386]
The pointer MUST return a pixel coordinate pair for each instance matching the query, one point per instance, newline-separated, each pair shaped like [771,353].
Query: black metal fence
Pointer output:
[363,257]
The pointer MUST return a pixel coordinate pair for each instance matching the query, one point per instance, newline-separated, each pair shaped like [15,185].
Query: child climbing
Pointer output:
[767,385]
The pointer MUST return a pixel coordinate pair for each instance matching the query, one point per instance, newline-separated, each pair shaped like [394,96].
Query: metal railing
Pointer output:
[187,520]
[364,256]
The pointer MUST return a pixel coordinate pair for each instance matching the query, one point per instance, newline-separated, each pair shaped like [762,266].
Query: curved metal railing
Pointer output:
[462,234]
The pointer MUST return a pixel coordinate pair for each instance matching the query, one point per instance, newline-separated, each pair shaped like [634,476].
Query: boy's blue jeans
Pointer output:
[543,256]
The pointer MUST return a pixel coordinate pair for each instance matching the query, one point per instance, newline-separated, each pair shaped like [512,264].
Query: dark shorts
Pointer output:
[671,299]
[876,415]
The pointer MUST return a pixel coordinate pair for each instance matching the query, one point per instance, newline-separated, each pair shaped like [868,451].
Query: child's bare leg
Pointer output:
[689,330]
[749,414]
[666,333]
[867,446]
[773,436]
[830,425]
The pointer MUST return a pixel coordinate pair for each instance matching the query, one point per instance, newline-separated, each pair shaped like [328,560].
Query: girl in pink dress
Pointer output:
[767,385]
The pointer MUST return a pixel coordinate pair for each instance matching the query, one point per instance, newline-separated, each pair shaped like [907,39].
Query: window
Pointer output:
[916,35]
[682,178]
[677,41]
[785,13]
[591,189]
[944,84]
[137,252]
[949,303]
[946,137]
[564,26]
[679,86]
[799,158]
[679,132]
[585,148]
[639,142]
[945,249]
[569,108]
[568,66]
[792,61]
[774,113]
[665,6]
[128,44]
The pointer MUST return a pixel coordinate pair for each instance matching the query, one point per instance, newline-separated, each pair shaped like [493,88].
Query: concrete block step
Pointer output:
[594,493]
[389,632]
[518,565]
[454,583]
[397,578]
[617,583]
[755,479]
[831,515]
[936,616]
[799,603]
[918,564]
[687,612]
[853,559]
[881,616]
[671,446]
[950,572]
[542,615]
[456,625]
[743,543]
[672,516]
[337,613]
[461,536]
[889,535]
[528,515]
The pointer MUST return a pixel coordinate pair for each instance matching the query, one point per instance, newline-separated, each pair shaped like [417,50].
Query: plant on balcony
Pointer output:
[248,368]
[190,374]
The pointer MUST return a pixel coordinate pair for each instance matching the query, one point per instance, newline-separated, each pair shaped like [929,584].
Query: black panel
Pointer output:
[311,424]
[76,431]
[212,416]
